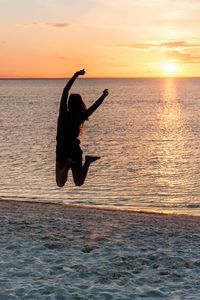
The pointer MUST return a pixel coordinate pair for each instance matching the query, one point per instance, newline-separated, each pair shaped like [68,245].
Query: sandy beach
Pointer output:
[62,252]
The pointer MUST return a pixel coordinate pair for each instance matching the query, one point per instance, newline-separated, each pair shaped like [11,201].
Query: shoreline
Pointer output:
[100,208]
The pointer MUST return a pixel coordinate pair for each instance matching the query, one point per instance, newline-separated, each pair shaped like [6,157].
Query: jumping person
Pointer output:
[72,115]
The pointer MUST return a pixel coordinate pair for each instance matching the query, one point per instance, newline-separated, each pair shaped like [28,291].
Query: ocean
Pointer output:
[146,132]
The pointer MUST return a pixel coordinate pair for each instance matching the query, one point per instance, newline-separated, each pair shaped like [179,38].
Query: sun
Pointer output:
[169,67]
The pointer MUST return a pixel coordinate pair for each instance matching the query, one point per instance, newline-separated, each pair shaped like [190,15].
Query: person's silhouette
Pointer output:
[72,115]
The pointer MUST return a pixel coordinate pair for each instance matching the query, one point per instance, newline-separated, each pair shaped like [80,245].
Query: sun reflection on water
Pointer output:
[172,156]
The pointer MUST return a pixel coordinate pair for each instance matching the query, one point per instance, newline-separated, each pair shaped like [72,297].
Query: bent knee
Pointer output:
[78,183]
[60,182]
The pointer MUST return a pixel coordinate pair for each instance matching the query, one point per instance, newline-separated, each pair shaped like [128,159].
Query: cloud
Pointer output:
[140,46]
[174,50]
[182,57]
[133,46]
[180,44]
[175,44]
[164,45]
[59,25]
[40,25]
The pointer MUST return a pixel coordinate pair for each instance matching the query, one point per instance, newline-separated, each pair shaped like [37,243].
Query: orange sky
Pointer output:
[109,38]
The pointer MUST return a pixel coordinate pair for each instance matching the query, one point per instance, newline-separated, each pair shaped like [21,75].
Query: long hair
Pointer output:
[75,104]
[76,107]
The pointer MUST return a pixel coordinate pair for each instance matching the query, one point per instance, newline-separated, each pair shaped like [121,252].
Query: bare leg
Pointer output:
[79,171]
[62,173]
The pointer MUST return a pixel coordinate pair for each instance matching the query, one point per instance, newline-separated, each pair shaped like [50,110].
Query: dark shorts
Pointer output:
[71,150]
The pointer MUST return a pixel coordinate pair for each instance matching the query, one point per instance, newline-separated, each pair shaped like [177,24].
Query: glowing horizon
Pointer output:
[54,38]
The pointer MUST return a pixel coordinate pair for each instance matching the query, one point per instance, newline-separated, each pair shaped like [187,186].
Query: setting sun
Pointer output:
[169,67]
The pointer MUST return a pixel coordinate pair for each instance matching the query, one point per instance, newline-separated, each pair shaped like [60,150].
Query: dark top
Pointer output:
[68,130]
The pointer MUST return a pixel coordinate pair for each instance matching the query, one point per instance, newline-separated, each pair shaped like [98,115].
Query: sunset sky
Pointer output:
[109,38]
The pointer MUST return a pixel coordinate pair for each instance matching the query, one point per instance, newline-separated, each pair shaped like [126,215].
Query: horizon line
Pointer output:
[106,77]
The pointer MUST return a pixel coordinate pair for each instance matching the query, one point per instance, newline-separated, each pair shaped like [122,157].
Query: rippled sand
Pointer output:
[60,252]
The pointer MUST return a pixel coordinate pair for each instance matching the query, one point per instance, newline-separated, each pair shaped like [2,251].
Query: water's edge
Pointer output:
[61,204]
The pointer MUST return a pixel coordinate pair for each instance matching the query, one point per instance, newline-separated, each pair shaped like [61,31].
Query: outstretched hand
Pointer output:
[105,93]
[81,72]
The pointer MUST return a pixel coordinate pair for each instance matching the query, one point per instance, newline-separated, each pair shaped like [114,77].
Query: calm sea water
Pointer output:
[147,133]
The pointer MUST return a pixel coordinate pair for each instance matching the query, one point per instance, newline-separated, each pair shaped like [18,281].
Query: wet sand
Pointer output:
[53,251]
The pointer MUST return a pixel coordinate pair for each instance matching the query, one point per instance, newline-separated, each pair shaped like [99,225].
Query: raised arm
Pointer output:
[95,105]
[67,87]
